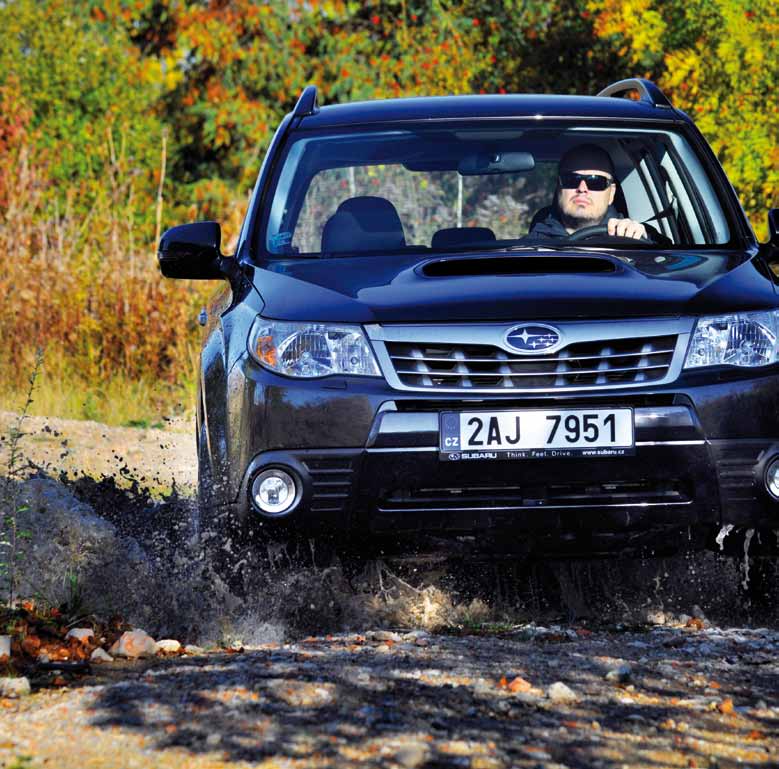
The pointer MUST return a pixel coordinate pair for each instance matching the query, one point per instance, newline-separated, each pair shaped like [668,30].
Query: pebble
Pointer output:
[5,646]
[101,655]
[192,649]
[411,756]
[83,634]
[14,687]
[169,646]
[134,644]
[559,692]
[619,675]
[386,635]
[383,649]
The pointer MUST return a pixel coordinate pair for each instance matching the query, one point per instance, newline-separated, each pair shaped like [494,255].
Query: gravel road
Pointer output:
[669,690]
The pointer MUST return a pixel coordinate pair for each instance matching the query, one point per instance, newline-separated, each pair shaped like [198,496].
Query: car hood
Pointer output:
[510,286]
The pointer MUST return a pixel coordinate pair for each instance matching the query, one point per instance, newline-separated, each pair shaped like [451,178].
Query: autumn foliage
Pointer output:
[100,98]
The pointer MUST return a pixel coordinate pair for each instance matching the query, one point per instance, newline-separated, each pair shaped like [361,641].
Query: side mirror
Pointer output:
[773,227]
[191,251]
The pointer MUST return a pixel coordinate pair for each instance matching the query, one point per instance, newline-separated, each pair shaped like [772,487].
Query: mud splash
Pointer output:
[126,544]
[105,548]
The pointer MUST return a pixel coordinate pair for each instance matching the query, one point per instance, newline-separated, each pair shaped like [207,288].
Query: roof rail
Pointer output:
[647,90]
[307,104]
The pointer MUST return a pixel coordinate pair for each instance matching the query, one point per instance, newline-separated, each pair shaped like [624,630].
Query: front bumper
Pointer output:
[368,458]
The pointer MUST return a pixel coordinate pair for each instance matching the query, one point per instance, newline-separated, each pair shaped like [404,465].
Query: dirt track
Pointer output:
[681,692]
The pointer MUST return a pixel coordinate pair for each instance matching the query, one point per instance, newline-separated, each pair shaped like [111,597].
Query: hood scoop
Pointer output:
[517,265]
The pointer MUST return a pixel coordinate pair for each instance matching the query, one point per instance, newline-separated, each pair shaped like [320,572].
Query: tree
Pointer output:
[719,61]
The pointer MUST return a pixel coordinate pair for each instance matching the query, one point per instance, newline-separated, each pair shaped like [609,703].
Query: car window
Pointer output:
[474,187]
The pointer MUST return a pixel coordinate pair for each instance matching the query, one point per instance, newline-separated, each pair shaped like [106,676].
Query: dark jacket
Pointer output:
[549,226]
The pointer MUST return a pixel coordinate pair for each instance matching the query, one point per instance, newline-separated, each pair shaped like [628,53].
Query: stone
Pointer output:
[386,635]
[169,646]
[411,756]
[697,612]
[5,646]
[559,692]
[655,617]
[383,649]
[134,644]
[192,649]
[82,634]
[101,655]
[14,687]
[619,675]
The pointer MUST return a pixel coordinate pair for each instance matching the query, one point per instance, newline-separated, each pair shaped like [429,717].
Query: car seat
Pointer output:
[364,223]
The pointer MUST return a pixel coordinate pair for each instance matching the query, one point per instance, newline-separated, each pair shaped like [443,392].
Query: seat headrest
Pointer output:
[453,237]
[365,223]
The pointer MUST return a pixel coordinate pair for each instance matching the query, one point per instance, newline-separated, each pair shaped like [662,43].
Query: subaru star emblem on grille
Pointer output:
[532,337]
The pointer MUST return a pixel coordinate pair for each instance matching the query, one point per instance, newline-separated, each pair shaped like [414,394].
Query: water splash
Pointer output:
[747,541]
[723,532]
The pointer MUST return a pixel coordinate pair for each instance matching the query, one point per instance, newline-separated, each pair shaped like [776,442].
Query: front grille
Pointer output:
[579,494]
[332,478]
[485,367]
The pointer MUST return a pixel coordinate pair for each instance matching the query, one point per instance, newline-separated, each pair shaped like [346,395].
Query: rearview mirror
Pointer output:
[496,163]
[773,227]
[191,251]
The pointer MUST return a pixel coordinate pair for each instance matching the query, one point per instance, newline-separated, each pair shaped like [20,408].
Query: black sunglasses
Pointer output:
[594,182]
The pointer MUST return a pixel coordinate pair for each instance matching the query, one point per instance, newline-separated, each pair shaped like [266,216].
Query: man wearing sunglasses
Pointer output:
[584,197]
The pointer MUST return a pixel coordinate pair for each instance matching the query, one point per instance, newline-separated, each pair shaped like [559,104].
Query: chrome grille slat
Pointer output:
[502,373]
[535,360]
[477,366]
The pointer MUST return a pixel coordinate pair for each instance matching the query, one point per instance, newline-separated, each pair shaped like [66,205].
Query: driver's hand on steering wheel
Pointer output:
[626,228]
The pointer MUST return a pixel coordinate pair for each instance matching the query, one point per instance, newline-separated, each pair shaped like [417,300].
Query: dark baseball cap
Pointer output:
[589,157]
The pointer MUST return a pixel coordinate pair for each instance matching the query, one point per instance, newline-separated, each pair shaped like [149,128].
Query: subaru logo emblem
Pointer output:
[532,338]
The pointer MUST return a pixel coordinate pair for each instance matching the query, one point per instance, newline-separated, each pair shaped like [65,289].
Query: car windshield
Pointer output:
[482,187]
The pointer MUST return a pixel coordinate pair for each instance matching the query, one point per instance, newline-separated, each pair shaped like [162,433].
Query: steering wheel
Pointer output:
[598,231]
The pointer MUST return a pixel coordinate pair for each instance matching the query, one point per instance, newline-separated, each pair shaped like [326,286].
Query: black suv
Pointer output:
[397,351]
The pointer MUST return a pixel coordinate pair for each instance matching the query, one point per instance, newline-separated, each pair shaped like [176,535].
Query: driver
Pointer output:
[584,197]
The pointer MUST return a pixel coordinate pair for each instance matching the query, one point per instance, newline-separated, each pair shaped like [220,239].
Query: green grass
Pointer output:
[121,401]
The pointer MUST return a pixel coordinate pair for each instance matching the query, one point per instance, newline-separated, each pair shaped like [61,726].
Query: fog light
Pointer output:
[274,492]
[772,478]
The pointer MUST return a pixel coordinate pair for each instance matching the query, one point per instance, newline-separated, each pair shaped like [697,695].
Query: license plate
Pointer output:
[536,433]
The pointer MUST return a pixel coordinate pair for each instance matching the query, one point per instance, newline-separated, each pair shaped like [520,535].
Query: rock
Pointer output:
[683,619]
[14,687]
[5,646]
[519,684]
[655,617]
[422,642]
[101,655]
[619,675]
[83,634]
[134,644]
[411,756]
[559,692]
[192,649]
[43,658]
[386,635]
[383,649]
[169,646]
[213,739]
[697,612]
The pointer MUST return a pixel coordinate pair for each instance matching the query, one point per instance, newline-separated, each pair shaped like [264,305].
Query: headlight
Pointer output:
[311,349]
[741,339]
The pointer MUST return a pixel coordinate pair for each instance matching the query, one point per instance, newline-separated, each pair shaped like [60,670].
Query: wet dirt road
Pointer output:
[534,697]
